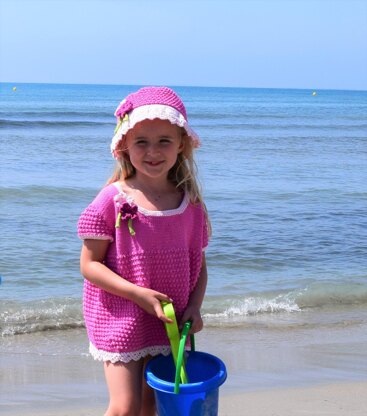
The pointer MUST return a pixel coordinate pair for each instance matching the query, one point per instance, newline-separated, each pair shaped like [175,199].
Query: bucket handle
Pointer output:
[180,355]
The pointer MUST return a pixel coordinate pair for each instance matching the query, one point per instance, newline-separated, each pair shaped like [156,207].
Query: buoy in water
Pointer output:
[314,93]
[14,88]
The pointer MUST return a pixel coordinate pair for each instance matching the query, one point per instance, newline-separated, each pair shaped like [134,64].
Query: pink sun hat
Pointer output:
[150,103]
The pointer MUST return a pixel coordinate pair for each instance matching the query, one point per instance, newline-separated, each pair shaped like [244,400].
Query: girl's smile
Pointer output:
[154,163]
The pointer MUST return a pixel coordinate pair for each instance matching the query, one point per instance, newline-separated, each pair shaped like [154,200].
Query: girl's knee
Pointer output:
[148,408]
[130,409]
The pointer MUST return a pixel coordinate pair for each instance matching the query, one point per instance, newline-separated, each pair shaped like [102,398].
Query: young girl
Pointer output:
[144,239]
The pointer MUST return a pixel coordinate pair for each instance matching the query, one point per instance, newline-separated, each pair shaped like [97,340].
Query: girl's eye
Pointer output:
[165,140]
[141,142]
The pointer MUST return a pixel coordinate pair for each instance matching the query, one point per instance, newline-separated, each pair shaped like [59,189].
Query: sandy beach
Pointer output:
[270,372]
[327,400]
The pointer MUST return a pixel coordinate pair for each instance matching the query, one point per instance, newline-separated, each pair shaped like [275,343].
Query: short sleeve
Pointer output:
[98,219]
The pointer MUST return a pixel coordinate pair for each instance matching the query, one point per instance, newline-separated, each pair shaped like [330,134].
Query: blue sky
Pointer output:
[315,44]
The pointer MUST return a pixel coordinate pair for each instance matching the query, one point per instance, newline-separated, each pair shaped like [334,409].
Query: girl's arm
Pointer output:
[93,269]
[192,312]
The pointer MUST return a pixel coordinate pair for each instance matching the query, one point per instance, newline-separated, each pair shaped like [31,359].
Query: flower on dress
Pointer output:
[127,212]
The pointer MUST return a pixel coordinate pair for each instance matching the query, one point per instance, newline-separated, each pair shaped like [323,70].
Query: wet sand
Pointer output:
[301,371]
[328,400]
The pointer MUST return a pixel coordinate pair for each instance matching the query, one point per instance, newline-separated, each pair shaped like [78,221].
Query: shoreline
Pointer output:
[51,370]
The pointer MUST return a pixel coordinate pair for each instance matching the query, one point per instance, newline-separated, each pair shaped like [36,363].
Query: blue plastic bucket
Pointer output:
[199,397]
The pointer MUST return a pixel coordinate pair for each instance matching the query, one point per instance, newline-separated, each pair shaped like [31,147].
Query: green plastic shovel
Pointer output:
[177,344]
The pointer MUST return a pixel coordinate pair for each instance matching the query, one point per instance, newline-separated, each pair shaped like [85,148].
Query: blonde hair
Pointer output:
[183,174]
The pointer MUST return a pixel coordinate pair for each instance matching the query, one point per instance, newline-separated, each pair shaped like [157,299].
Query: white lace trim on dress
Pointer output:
[126,357]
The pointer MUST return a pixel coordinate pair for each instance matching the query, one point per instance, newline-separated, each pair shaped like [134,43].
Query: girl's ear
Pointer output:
[184,139]
[122,147]
[125,155]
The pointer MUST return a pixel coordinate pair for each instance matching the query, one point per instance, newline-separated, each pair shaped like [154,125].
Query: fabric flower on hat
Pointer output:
[122,111]
[124,107]
[127,212]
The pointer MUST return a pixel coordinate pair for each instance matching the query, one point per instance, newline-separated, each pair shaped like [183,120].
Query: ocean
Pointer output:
[285,182]
[284,178]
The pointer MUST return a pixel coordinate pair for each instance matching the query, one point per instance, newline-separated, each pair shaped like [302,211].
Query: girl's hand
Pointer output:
[150,301]
[192,314]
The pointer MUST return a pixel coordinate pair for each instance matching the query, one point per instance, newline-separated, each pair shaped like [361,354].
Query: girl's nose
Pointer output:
[153,149]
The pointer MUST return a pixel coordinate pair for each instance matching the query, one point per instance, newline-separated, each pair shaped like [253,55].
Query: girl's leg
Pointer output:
[148,407]
[124,382]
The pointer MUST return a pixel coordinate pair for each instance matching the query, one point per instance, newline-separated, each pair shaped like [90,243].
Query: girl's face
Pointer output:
[153,146]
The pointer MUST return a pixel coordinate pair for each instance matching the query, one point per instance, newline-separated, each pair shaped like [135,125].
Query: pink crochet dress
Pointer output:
[164,254]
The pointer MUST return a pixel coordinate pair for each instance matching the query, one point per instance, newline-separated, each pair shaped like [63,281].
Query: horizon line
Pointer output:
[14,84]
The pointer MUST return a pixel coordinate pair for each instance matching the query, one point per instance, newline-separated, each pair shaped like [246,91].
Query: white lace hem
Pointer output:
[125,357]
[150,112]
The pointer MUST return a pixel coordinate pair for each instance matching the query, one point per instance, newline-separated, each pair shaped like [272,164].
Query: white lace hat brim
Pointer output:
[151,112]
